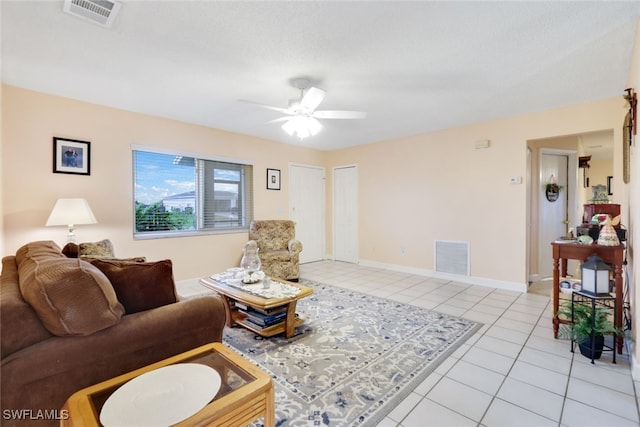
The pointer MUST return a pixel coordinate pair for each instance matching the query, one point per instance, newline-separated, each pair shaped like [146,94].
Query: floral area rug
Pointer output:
[355,358]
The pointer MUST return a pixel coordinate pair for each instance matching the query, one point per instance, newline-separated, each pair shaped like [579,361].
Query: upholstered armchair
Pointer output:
[279,250]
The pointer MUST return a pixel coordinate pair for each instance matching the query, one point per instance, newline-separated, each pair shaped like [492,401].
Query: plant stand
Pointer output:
[594,301]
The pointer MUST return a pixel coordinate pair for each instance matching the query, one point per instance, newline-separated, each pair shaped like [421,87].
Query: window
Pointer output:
[177,195]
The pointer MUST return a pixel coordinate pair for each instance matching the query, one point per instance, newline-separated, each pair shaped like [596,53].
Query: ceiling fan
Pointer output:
[301,115]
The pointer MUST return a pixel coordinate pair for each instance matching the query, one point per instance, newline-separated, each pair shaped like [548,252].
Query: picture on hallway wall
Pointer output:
[273,179]
[71,156]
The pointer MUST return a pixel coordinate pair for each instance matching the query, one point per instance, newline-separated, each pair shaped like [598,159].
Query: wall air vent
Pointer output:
[101,12]
[452,257]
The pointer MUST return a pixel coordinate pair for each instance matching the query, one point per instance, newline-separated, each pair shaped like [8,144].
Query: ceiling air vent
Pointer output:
[101,12]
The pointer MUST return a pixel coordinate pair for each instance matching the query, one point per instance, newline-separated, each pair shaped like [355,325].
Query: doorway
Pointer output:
[599,145]
[307,209]
[554,206]
[345,213]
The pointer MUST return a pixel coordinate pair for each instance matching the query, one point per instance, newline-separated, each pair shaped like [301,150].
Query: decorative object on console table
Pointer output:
[599,193]
[273,179]
[608,235]
[594,214]
[71,156]
[595,276]
[591,209]
[71,212]
[612,255]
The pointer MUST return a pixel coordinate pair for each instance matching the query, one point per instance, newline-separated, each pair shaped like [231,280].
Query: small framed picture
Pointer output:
[71,156]
[273,179]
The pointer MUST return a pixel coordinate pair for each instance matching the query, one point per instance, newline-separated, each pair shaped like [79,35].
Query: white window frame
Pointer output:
[246,182]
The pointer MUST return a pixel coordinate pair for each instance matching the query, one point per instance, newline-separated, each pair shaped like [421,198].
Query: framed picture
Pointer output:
[71,156]
[273,179]
[609,185]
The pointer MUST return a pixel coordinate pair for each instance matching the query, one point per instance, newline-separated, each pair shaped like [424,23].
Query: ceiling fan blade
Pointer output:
[269,107]
[339,114]
[312,98]
[280,119]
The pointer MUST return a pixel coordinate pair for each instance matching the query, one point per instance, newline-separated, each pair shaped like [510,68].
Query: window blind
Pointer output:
[176,194]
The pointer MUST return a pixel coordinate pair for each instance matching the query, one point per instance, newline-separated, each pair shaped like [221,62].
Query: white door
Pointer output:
[554,221]
[345,214]
[307,209]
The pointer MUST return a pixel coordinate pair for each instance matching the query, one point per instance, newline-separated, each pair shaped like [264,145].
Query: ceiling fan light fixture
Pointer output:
[302,126]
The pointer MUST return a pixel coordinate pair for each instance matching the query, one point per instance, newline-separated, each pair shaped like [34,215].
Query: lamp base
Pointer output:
[71,237]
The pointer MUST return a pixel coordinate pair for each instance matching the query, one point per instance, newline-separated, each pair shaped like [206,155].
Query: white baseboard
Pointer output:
[635,364]
[480,281]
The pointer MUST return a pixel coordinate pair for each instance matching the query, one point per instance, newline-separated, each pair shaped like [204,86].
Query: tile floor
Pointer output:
[511,372]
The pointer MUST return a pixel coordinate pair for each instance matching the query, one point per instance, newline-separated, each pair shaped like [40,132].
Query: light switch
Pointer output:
[515,180]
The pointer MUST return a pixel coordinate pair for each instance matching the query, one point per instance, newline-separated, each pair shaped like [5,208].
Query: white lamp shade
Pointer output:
[71,212]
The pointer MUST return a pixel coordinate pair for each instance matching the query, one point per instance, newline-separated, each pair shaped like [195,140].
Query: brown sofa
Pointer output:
[63,326]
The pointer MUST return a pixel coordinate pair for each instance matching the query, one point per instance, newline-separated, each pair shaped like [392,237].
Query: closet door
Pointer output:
[307,209]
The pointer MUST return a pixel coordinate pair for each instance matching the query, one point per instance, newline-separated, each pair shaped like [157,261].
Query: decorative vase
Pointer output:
[250,261]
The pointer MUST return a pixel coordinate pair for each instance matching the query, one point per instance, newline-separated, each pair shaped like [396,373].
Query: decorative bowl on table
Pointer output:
[254,277]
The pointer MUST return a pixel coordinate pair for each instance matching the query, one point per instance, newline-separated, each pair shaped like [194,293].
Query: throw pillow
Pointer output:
[103,248]
[140,286]
[71,250]
[70,296]
[95,250]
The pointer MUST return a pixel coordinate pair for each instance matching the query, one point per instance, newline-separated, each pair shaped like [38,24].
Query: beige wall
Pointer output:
[31,120]
[412,191]
[598,173]
[416,190]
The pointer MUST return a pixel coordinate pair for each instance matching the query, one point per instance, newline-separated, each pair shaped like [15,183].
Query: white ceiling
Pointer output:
[414,67]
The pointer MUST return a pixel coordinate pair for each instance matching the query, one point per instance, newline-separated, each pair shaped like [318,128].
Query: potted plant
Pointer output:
[552,187]
[588,325]
[552,191]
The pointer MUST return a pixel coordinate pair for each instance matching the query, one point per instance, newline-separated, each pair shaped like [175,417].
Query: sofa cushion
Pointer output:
[70,296]
[140,286]
[14,310]
[38,250]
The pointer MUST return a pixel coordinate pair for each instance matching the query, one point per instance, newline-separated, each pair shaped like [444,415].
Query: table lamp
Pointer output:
[71,212]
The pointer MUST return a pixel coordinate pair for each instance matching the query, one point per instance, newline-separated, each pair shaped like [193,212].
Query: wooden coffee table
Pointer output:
[232,295]
[245,395]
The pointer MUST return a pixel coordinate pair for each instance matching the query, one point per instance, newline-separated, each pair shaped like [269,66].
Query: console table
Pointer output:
[612,255]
